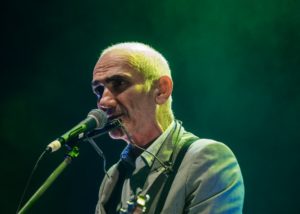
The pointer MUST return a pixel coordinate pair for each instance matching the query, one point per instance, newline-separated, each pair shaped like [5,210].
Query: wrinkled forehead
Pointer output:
[111,60]
[113,64]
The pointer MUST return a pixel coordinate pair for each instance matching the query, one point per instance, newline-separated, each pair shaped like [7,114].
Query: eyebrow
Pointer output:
[111,78]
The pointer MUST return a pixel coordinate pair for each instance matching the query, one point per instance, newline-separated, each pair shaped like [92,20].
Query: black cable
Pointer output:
[112,124]
[100,153]
[141,148]
[30,177]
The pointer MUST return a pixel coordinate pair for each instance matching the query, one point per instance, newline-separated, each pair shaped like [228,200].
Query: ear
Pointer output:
[164,90]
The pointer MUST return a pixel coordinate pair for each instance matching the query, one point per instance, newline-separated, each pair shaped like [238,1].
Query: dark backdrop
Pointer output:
[235,66]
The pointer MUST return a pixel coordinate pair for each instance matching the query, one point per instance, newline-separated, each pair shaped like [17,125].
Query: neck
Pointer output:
[144,139]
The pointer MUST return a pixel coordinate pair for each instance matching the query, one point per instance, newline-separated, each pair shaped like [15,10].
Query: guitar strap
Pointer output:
[165,184]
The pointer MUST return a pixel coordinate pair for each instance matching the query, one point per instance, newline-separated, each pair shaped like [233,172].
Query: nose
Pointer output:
[107,100]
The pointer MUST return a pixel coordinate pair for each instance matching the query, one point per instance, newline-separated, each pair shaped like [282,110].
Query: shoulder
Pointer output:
[211,157]
[214,164]
[213,175]
[209,149]
[204,146]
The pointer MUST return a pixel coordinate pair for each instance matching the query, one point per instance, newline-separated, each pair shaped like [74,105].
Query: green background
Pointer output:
[236,76]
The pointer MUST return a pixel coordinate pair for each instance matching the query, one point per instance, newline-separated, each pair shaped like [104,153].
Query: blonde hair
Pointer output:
[152,65]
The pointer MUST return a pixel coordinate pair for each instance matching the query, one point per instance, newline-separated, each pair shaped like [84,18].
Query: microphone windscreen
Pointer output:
[100,117]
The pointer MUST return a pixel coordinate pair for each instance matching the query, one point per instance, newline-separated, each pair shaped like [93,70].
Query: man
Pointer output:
[170,168]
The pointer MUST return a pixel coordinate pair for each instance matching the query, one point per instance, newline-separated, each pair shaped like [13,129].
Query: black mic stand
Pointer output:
[71,154]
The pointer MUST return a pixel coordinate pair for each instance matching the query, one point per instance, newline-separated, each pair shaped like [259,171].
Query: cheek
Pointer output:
[137,102]
[142,107]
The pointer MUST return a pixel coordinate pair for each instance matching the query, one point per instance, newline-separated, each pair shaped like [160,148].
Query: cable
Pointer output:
[30,177]
[167,168]
[100,153]
[112,124]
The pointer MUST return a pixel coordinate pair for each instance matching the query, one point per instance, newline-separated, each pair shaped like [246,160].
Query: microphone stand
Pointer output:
[73,153]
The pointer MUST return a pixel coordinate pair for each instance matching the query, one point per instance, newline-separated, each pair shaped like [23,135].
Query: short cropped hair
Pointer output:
[152,65]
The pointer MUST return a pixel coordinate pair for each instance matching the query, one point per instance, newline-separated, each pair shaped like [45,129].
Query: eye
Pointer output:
[118,85]
[99,91]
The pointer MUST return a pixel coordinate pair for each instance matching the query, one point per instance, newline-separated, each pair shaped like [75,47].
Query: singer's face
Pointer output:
[122,91]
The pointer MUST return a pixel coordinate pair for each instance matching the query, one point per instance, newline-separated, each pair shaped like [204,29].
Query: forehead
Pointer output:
[108,61]
[111,64]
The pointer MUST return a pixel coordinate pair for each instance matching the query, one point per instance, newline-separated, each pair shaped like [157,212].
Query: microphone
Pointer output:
[96,118]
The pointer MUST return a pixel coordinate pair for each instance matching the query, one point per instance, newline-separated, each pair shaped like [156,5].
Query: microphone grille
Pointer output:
[100,116]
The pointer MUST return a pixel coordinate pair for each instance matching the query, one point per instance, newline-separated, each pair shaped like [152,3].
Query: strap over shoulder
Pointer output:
[177,159]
